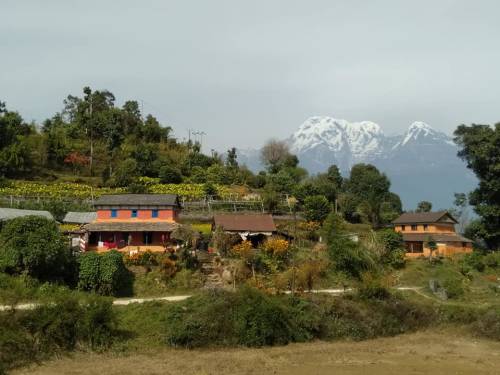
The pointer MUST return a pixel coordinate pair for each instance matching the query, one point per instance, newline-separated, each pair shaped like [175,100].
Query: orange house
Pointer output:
[419,228]
[133,222]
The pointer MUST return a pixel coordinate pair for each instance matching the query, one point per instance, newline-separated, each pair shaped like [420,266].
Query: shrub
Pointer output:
[454,287]
[492,260]
[170,175]
[60,326]
[248,318]
[316,208]
[488,324]
[374,287]
[475,261]
[276,246]
[105,274]
[34,245]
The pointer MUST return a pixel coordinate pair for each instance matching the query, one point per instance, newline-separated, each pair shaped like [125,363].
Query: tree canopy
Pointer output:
[479,148]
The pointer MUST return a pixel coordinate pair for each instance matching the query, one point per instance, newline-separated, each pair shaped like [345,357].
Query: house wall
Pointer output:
[136,242]
[431,228]
[166,214]
[444,249]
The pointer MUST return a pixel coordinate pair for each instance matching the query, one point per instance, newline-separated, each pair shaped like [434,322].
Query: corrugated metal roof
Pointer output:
[114,226]
[438,237]
[423,217]
[80,217]
[137,200]
[12,213]
[244,223]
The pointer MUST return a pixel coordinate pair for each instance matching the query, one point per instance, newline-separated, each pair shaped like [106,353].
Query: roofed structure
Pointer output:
[245,223]
[113,226]
[12,213]
[425,217]
[80,217]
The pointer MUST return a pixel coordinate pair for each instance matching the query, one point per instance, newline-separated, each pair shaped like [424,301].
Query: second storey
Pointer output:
[425,222]
[137,207]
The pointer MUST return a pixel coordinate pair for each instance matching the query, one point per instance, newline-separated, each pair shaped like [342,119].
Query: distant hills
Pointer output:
[422,163]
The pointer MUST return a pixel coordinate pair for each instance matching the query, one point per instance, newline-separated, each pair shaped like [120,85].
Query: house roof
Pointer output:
[438,237]
[80,217]
[245,223]
[137,200]
[113,226]
[425,217]
[12,213]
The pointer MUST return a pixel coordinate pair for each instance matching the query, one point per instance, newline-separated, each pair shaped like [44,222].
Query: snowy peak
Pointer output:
[337,135]
[420,132]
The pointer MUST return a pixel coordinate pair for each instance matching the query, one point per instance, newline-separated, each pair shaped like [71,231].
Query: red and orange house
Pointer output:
[133,222]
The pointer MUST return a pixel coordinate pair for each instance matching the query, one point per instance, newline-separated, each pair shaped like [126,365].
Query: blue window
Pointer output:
[134,213]
[114,213]
[154,213]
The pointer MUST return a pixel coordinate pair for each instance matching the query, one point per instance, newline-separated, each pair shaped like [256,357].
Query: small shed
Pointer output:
[252,227]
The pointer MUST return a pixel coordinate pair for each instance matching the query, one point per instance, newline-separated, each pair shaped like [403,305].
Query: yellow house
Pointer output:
[420,228]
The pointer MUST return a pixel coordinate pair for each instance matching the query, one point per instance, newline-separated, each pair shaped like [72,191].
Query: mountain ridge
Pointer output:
[422,162]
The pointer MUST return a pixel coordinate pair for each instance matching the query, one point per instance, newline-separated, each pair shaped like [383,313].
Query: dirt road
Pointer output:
[419,353]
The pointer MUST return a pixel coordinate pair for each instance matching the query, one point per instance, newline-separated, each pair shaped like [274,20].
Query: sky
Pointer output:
[246,71]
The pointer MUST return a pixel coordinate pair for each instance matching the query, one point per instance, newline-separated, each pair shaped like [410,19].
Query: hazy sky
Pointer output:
[245,71]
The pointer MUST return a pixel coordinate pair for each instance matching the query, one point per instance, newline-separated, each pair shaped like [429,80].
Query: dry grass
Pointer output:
[419,353]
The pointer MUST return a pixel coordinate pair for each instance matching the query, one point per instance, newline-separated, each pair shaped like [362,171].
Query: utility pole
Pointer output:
[91,159]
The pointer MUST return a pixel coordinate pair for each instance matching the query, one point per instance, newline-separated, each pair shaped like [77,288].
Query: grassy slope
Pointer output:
[479,286]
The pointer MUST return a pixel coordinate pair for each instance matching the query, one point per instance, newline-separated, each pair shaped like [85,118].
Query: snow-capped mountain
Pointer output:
[422,163]
[319,139]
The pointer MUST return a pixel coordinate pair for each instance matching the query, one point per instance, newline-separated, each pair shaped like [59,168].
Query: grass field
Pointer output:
[428,352]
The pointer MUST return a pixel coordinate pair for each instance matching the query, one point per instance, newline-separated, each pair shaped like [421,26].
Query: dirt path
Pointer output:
[128,301]
[418,353]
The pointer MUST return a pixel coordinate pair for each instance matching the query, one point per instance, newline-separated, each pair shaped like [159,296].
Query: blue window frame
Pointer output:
[114,213]
[134,213]
[154,213]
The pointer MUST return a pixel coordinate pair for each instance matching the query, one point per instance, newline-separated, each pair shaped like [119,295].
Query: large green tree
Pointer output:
[34,245]
[480,148]
[367,191]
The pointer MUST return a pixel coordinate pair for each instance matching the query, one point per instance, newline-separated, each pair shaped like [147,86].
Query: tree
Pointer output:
[35,245]
[334,176]
[479,147]
[316,208]
[105,274]
[432,245]
[276,154]
[170,175]
[424,206]
[125,173]
[368,189]
[231,161]
[347,256]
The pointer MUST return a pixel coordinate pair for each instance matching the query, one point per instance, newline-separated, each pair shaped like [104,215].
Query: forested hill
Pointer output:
[92,140]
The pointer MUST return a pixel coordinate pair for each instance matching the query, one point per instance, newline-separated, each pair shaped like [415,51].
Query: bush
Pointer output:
[488,324]
[63,325]
[373,287]
[250,318]
[170,175]
[316,208]
[474,260]
[104,274]
[492,260]
[454,287]
[34,245]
